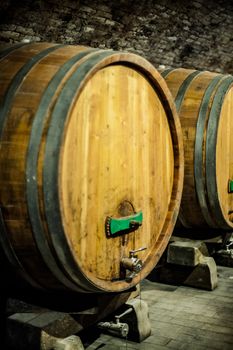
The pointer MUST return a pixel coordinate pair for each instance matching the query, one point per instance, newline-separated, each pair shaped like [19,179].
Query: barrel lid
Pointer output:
[116,159]
[224,156]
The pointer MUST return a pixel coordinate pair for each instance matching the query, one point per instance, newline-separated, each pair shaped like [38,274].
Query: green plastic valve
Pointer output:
[230,186]
[127,223]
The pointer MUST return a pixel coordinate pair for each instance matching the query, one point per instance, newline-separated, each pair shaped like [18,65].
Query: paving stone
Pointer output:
[198,320]
[188,253]
[158,340]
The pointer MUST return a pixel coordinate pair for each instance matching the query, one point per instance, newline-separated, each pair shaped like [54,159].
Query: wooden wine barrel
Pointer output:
[91,166]
[204,101]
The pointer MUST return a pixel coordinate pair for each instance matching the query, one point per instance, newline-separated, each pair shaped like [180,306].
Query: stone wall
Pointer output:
[196,34]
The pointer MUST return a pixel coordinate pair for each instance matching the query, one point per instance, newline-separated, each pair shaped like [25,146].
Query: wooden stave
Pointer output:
[5,50]
[5,242]
[198,170]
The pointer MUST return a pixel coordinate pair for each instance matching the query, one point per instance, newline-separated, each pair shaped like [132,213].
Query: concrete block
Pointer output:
[49,342]
[224,257]
[187,253]
[204,275]
[39,330]
[138,320]
[131,321]
[70,343]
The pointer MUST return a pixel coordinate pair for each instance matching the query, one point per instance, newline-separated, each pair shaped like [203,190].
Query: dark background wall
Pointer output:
[196,34]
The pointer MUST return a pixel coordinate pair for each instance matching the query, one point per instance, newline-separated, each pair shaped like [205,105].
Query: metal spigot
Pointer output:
[118,327]
[132,265]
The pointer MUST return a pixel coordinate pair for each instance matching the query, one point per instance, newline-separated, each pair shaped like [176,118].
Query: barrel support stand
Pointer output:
[45,330]
[38,327]
[131,322]
[187,263]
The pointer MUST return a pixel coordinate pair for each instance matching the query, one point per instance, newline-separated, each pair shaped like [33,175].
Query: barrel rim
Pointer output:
[56,133]
[211,144]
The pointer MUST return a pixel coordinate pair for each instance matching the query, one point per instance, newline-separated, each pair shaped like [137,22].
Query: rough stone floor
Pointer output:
[183,318]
